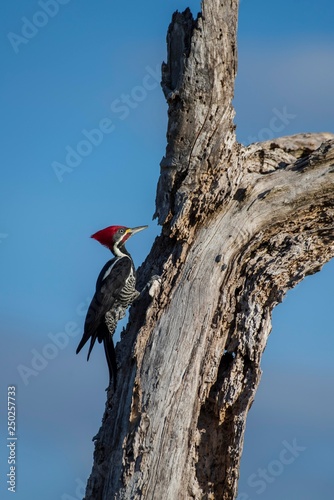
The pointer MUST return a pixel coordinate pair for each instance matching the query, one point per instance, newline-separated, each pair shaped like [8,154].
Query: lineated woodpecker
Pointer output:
[115,291]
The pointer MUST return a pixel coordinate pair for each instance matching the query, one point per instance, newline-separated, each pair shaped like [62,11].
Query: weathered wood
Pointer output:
[240,227]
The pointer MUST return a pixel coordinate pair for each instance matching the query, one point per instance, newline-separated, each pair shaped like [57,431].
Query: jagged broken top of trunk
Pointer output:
[198,85]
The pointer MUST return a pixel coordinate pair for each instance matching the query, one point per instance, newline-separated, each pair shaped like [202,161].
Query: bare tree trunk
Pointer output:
[240,227]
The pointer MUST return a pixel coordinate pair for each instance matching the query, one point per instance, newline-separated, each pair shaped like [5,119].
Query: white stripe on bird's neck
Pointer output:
[118,252]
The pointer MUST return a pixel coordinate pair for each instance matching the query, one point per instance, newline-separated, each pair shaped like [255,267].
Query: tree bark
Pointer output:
[240,227]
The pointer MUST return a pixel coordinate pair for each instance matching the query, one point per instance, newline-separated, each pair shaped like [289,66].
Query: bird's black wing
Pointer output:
[103,271]
[108,288]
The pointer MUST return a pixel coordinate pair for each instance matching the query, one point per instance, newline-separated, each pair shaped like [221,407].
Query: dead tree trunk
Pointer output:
[240,227]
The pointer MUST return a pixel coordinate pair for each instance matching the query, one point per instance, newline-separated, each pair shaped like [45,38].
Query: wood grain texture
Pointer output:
[240,227]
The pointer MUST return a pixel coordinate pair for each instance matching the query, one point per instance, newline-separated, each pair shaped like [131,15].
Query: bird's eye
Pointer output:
[121,231]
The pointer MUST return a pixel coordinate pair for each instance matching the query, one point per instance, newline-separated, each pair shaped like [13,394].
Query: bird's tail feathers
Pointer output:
[92,342]
[80,346]
[110,353]
[104,334]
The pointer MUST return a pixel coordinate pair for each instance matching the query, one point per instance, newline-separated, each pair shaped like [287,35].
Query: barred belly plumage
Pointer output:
[129,292]
[126,297]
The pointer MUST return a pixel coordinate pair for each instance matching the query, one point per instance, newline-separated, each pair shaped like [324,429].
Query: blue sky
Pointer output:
[93,71]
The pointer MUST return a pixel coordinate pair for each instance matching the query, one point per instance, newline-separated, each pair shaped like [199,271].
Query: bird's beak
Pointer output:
[135,230]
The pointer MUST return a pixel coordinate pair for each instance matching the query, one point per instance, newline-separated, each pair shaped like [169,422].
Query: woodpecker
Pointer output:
[115,291]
